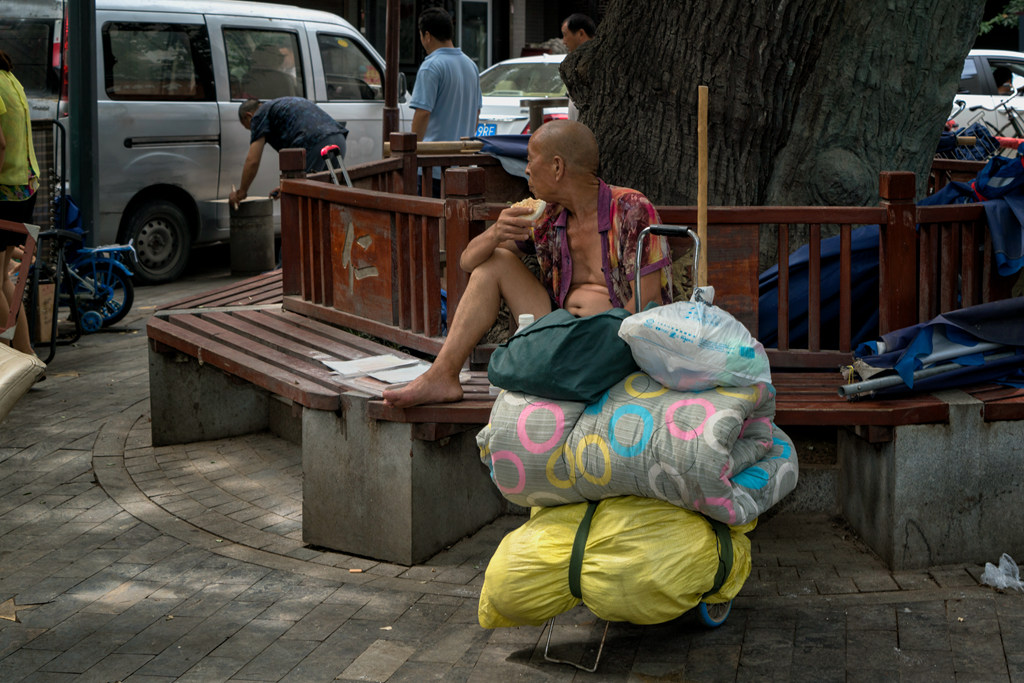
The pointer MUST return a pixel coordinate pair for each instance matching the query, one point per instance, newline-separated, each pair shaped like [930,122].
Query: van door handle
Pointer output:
[163,140]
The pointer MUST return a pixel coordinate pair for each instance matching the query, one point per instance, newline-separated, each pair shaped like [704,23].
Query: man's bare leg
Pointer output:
[501,276]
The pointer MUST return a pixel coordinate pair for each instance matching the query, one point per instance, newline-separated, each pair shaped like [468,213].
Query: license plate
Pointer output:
[487,129]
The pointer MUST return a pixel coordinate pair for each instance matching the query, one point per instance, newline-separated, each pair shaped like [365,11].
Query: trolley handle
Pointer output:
[661,231]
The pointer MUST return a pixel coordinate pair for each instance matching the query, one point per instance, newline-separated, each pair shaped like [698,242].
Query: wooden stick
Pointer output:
[443,147]
[702,184]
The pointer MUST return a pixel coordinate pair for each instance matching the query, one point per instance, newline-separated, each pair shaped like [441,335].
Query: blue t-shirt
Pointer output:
[448,86]
[295,122]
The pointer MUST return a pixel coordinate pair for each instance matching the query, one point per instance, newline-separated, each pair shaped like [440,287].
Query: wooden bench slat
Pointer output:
[297,363]
[302,341]
[302,364]
[463,412]
[241,365]
[233,293]
[368,346]
[1005,409]
[804,414]
[282,351]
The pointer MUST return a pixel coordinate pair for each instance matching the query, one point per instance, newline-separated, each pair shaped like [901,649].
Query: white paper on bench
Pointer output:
[370,364]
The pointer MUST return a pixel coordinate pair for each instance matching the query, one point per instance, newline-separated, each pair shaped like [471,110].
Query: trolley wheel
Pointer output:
[92,321]
[714,614]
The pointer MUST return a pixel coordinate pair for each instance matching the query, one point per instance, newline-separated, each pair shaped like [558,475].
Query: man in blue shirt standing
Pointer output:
[446,97]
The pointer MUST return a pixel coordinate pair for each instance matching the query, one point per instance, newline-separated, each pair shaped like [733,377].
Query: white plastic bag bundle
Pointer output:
[693,345]
[1006,575]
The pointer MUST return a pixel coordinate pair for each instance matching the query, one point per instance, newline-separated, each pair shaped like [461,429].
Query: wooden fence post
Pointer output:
[403,146]
[897,252]
[465,187]
[292,165]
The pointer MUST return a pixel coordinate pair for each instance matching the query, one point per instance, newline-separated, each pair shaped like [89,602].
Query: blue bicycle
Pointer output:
[94,283]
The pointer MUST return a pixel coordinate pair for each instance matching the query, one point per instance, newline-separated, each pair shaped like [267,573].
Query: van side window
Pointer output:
[29,43]
[157,62]
[263,64]
[349,72]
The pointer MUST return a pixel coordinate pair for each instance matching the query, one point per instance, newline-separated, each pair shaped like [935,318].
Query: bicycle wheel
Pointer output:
[103,289]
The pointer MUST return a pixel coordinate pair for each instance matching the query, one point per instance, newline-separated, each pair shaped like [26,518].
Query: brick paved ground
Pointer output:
[126,562]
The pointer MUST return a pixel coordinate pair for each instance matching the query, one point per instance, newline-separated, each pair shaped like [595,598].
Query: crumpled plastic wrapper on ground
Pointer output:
[1006,575]
[646,562]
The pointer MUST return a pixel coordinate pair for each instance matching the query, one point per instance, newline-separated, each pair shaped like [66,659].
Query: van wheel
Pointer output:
[159,232]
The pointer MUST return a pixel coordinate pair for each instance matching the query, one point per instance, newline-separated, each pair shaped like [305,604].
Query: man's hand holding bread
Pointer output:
[517,221]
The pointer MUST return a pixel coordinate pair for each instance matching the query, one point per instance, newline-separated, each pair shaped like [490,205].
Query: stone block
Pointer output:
[252,236]
[938,494]
[191,401]
[371,489]
[285,419]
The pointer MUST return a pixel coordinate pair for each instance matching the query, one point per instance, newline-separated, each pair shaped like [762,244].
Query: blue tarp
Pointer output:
[983,343]
[510,150]
[864,295]
[1000,185]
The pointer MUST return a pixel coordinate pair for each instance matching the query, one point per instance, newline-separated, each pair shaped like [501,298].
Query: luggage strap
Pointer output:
[579,544]
[725,556]
[722,536]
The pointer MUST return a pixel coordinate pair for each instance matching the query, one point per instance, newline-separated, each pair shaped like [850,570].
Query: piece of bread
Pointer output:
[538,206]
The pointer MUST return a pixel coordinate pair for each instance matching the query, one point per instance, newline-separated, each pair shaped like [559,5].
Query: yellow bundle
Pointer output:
[646,562]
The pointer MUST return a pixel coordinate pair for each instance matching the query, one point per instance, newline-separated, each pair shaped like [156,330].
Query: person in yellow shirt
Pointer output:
[19,180]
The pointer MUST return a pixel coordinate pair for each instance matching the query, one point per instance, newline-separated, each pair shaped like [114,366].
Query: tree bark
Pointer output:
[809,100]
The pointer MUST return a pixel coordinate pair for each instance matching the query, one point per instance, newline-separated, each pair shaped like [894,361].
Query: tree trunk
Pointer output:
[809,100]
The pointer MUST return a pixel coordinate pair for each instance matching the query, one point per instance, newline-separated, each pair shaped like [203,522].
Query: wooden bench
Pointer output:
[371,260]
[234,362]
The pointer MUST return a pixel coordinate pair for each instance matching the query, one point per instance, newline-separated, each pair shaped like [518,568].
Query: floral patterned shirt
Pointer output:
[622,214]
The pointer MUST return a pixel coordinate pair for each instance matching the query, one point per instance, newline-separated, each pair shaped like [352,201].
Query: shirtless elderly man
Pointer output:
[585,244]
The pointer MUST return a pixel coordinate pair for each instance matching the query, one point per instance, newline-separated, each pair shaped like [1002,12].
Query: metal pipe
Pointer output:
[84,130]
[870,385]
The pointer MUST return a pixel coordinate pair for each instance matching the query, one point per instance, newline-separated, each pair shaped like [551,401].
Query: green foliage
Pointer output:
[1007,18]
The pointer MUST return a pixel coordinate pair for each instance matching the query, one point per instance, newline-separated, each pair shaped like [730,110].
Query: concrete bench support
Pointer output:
[371,488]
[938,494]
[191,401]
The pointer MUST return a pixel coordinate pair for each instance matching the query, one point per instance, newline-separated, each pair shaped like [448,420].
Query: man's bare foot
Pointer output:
[426,388]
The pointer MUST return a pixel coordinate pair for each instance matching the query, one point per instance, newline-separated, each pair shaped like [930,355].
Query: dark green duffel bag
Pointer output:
[564,357]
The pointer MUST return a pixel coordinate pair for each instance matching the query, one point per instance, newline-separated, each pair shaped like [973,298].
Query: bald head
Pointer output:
[572,141]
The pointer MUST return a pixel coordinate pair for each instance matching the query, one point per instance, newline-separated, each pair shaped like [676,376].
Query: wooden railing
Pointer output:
[373,259]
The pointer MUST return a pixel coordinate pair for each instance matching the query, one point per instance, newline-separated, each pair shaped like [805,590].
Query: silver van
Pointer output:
[170,77]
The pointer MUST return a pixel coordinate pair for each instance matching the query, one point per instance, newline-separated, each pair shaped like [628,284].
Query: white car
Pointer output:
[1000,105]
[506,83]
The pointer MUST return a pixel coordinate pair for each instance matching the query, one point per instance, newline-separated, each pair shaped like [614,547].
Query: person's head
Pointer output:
[287,57]
[1004,78]
[246,110]
[576,30]
[5,62]
[561,155]
[435,28]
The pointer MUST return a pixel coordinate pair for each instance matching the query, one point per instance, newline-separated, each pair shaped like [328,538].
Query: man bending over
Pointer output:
[585,243]
[285,122]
